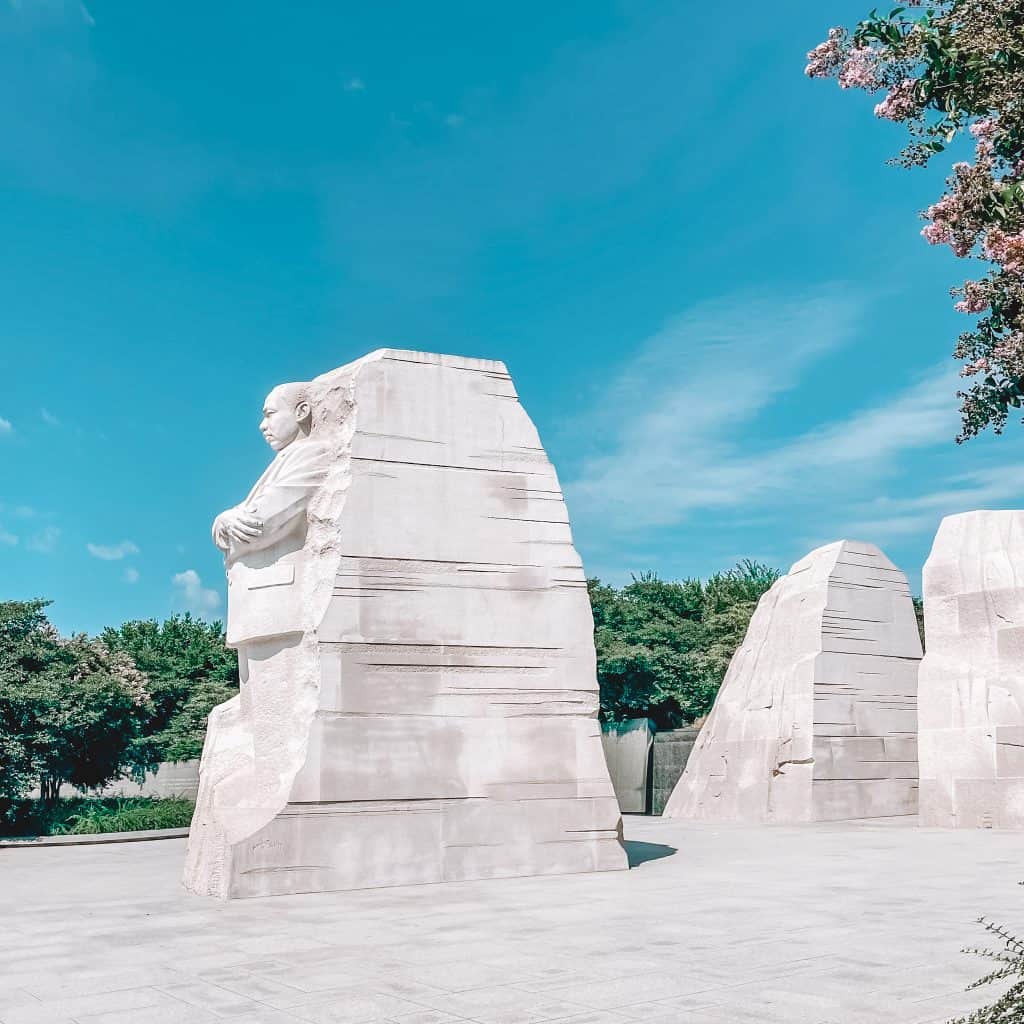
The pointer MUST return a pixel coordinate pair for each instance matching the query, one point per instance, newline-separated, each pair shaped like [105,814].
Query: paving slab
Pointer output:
[837,923]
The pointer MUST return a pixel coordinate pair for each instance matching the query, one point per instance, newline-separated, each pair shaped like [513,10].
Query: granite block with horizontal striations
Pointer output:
[428,709]
[972,677]
[817,717]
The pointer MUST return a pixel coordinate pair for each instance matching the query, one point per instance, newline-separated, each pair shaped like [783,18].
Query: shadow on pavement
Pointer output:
[640,853]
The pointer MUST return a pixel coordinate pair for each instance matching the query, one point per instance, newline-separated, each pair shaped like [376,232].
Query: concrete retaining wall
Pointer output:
[172,778]
[627,750]
[670,751]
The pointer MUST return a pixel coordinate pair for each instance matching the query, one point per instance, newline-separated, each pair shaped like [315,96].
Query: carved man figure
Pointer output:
[262,536]
[249,756]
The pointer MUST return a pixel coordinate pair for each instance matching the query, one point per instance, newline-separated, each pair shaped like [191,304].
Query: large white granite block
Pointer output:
[971,697]
[419,695]
[816,718]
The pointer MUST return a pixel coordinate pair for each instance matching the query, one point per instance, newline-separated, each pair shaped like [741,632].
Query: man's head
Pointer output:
[286,415]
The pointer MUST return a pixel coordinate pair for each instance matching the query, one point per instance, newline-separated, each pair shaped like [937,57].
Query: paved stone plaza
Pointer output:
[842,922]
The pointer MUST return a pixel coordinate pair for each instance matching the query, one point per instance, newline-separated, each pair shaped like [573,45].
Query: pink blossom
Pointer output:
[899,104]
[859,71]
[981,365]
[937,233]
[984,131]
[1005,249]
[945,209]
[975,299]
[1010,353]
[826,57]
[944,216]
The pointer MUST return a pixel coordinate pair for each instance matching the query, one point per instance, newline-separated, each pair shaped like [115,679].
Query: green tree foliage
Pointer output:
[190,671]
[948,68]
[71,710]
[663,648]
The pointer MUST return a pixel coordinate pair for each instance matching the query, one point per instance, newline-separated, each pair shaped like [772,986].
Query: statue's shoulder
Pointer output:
[308,450]
[303,458]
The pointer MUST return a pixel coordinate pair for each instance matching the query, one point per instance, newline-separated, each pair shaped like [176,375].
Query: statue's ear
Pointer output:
[302,411]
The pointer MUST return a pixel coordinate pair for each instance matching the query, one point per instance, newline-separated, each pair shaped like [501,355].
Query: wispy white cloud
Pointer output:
[885,518]
[701,439]
[130,575]
[355,84]
[48,417]
[190,594]
[7,538]
[6,427]
[113,552]
[44,541]
[454,120]
[17,511]
[681,409]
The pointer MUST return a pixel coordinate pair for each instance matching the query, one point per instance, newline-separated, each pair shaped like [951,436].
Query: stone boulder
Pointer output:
[816,719]
[971,696]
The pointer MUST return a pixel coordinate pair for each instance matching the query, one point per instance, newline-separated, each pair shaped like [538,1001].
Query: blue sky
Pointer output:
[707,284]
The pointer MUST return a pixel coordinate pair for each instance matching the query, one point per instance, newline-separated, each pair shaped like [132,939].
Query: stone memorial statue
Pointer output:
[971,697]
[418,695]
[816,719]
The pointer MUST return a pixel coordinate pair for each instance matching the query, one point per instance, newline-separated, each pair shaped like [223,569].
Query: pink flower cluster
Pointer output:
[860,70]
[827,57]
[981,365]
[975,298]
[1005,249]
[945,216]
[984,131]
[960,216]
[900,104]
[1009,353]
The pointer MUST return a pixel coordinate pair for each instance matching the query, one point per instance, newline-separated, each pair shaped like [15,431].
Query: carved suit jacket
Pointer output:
[265,575]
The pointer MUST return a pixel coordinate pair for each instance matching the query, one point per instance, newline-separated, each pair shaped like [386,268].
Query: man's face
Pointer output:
[280,424]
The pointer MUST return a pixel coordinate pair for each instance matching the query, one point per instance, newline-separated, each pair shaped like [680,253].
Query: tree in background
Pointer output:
[663,648]
[190,671]
[643,634]
[945,68]
[71,710]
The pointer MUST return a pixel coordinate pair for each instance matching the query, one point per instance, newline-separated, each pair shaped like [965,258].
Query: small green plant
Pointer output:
[1009,1007]
[87,815]
[128,815]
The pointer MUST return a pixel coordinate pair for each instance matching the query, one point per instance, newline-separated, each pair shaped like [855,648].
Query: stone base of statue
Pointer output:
[816,719]
[971,696]
[434,718]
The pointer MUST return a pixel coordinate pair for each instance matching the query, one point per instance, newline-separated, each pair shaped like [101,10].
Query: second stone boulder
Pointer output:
[817,716]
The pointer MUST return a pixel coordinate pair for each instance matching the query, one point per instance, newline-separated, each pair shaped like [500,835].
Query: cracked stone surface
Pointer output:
[971,699]
[419,695]
[816,719]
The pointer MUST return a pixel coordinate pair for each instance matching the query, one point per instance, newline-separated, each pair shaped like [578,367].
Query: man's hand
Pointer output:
[236,526]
